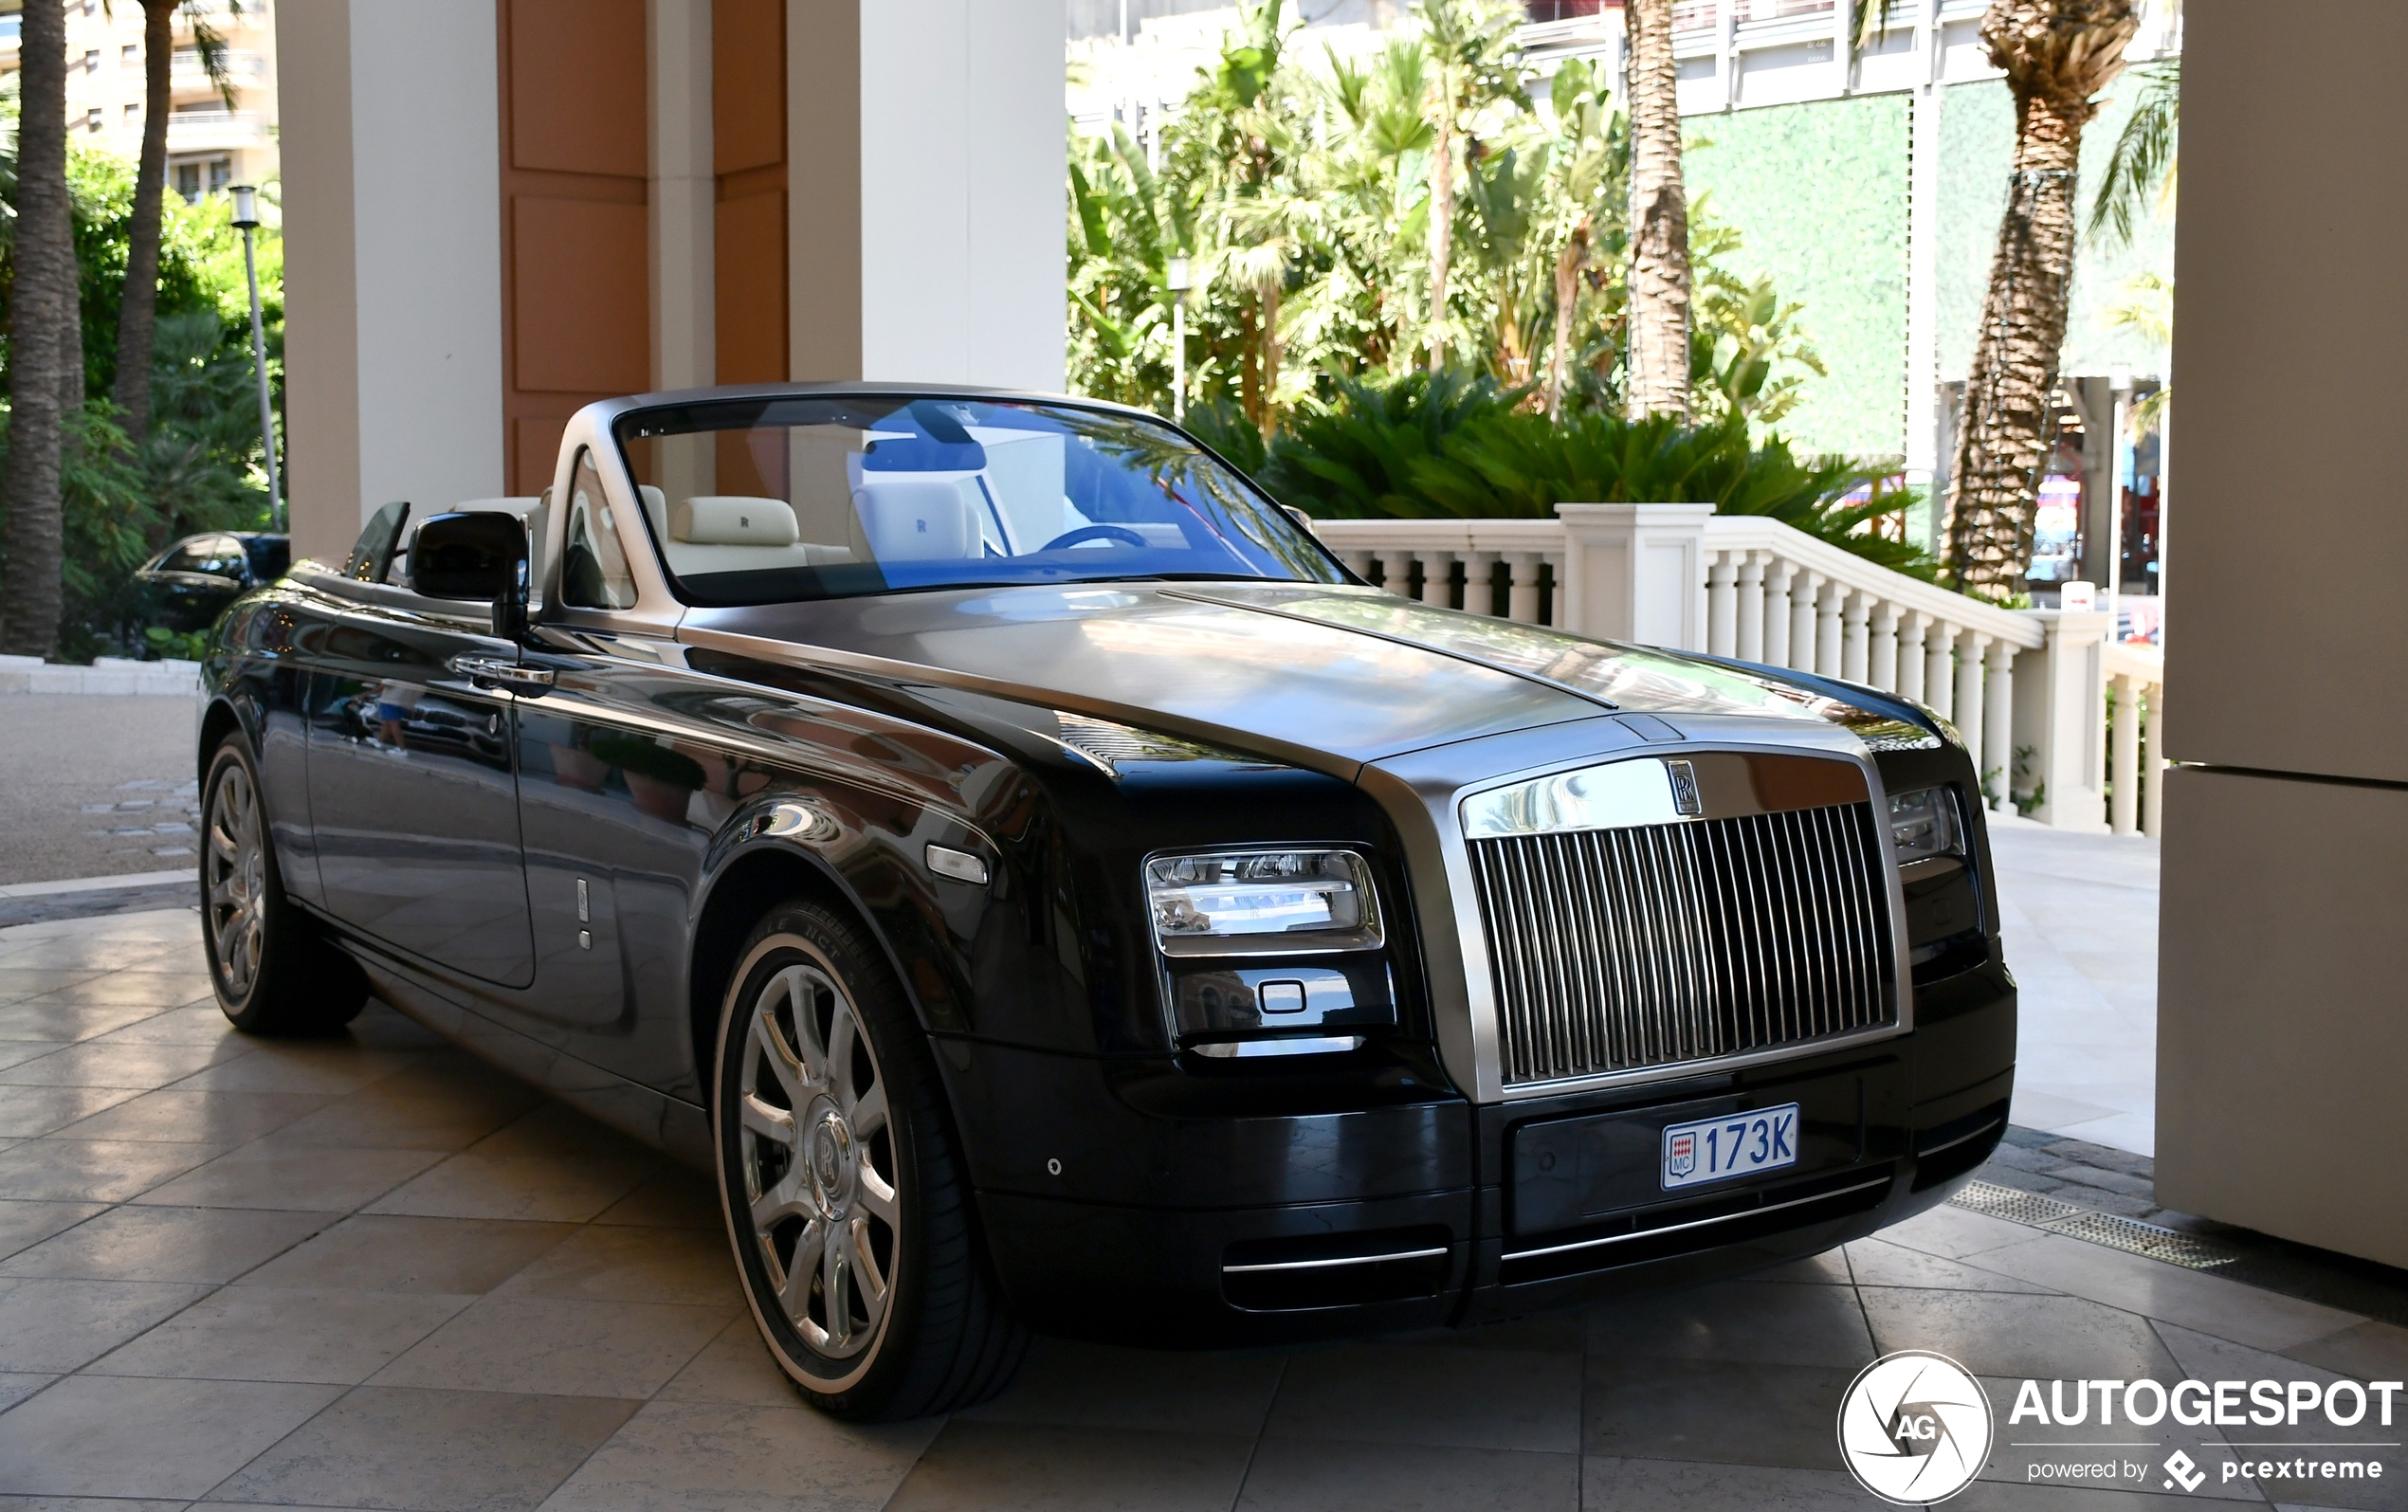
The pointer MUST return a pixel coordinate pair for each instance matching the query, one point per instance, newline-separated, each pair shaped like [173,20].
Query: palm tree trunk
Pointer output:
[1442,218]
[1567,290]
[1659,300]
[44,312]
[2057,55]
[137,318]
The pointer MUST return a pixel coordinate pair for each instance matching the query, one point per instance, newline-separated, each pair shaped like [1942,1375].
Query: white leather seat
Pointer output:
[733,533]
[917,520]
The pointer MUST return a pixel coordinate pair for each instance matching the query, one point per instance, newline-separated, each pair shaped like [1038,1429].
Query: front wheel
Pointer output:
[273,973]
[845,1198]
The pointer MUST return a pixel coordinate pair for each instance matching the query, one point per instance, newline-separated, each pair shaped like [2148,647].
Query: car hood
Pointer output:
[1330,677]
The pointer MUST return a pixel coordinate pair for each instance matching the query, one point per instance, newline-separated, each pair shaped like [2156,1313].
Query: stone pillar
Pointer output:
[1855,651]
[2060,713]
[1437,578]
[1521,598]
[1829,654]
[1777,615]
[1803,591]
[1969,709]
[2124,773]
[1636,573]
[1909,653]
[1998,718]
[1721,605]
[1480,582]
[1939,669]
[1750,631]
[1883,671]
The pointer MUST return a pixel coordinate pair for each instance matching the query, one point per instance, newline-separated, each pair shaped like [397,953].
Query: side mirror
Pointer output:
[480,555]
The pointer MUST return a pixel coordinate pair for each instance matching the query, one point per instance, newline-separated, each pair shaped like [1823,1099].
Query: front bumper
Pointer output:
[1216,1231]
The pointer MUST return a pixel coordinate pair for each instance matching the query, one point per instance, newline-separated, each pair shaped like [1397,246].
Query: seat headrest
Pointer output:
[656,509]
[733,519]
[917,520]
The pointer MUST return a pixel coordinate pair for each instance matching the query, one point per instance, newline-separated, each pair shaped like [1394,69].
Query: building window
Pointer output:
[126,55]
[187,181]
[92,119]
[92,61]
[133,113]
[197,176]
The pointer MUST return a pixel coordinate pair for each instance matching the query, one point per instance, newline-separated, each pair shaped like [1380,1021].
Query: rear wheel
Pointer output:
[274,974]
[845,1198]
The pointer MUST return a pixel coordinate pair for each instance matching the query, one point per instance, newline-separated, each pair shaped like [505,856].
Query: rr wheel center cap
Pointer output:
[832,1156]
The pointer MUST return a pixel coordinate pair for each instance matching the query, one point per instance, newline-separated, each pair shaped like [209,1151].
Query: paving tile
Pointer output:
[102,1062]
[672,1198]
[16,1052]
[45,1018]
[698,1457]
[325,1066]
[199,1023]
[1830,1268]
[60,1325]
[1073,1384]
[1467,1398]
[1307,1475]
[97,1435]
[1954,1234]
[407,1111]
[25,1224]
[167,1243]
[26,1112]
[279,1333]
[95,956]
[1765,1323]
[734,1367]
[17,983]
[2155,1289]
[1004,1467]
[1879,1263]
[2370,1351]
[1714,1409]
[691,1265]
[15,1386]
[85,1503]
[377,1252]
[1993,1496]
[557,1346]
[216,1118]
[1563,1331]
[57,1170]
[155,989]
[431,1451]
[1610,1485]
[317,1180]
[540,1186]
[2040,1337]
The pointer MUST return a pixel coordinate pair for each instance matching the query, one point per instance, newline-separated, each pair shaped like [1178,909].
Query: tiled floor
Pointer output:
[370,1273]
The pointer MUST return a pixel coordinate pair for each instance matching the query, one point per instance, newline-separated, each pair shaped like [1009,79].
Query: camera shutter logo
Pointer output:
[1914,1428]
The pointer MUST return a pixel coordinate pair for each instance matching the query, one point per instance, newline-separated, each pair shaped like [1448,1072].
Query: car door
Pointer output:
[193,581]
[413,788]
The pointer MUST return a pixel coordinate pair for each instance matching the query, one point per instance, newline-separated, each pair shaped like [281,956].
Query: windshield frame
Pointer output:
[626,414]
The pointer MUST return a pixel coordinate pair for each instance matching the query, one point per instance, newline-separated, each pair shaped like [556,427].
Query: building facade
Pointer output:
[215,136]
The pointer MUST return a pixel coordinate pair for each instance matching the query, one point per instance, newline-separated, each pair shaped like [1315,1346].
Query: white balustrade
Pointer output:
[2027,689]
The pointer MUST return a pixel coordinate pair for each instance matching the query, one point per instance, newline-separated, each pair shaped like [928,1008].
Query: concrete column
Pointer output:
[1830,653]
[1998,718]
[678,34]
[390,115]
[1750,630]
[2153,768]
[1882,671]
[1909,654]
[2060,714]
[1437,578]
[1480,582]
[1969,709]
[1636,573]
[1939,669]
[1856,649]
[1776,612]
[1521,598]
[2124,772]
[1803,592]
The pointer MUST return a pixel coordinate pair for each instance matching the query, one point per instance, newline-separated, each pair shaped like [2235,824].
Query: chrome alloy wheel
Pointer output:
[818,1160]
[234,878]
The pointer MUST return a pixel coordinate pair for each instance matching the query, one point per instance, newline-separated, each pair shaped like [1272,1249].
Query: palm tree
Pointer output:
[1659,292]
[43,311]
[2143,165]
[2057,54]
[138,316]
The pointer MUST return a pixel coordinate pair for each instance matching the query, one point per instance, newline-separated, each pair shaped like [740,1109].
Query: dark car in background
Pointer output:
[1048,891]
[189,585]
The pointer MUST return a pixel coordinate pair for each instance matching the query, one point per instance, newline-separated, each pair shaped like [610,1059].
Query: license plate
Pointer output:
[1737,1144]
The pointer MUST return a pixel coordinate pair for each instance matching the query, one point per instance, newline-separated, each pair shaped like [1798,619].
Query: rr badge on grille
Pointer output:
[1685,795]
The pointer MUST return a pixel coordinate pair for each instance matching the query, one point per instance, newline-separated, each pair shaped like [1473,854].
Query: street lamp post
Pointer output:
[246,219]
[1176,276]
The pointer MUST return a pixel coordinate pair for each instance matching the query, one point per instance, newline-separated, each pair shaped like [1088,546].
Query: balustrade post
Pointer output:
[1855,658]
[2123,774]
[1939,669]
[1778,577]
[1751,607]
[1883,672]
[1554,563]
[1721,605]
[1802,621]
[1358,563]
[1480,583]
[1636,573]
[1907,653]
[1828,653]
[1438,574]
[1998,718]
[2153,788]
[2061,716]
[1521,598]
[1970,645]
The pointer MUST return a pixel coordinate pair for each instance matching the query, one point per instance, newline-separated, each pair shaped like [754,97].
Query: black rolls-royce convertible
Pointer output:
[1050,893]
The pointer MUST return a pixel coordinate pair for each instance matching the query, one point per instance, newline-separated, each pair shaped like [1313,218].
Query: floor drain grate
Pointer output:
[2128,1234]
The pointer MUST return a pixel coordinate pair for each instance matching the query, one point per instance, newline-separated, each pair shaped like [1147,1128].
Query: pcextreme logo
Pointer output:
[1914,1428]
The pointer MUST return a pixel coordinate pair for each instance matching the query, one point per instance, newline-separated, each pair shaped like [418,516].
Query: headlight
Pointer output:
[1923,824]
[1262,902]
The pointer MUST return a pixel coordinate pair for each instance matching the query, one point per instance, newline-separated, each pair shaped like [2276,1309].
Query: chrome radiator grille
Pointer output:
[1617,949]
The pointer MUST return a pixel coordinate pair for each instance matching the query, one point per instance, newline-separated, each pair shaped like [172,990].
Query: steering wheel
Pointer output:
[1086,533]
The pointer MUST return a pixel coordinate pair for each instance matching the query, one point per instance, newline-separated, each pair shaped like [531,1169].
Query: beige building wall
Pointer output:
[2283,973]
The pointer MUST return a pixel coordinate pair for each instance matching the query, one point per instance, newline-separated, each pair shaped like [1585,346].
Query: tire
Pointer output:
[845,1194]
[273,971]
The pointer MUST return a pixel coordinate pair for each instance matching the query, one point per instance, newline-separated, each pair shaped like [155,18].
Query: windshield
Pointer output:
[772,501]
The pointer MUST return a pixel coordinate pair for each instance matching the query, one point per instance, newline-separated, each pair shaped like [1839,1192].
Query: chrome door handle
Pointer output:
[490,672]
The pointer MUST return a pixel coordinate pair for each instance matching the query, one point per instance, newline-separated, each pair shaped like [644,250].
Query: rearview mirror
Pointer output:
[480,555]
